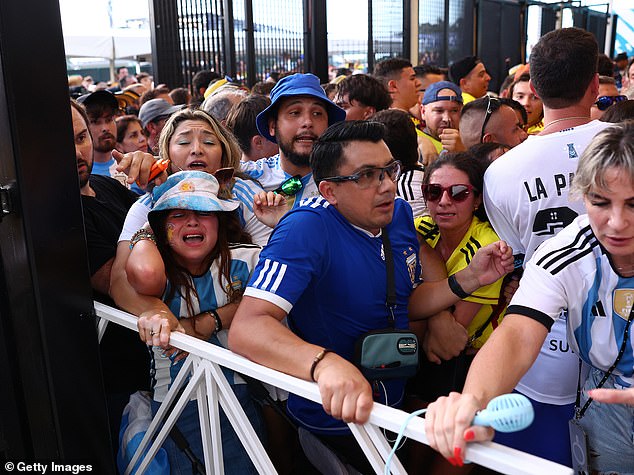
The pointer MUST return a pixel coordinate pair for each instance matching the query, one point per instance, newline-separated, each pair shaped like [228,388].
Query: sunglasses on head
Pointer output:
[291,186]
[433,192]
[493,104]
[604,102]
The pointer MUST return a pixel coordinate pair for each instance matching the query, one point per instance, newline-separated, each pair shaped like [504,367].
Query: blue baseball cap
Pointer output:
[432,93]
[297,85]
[192,190]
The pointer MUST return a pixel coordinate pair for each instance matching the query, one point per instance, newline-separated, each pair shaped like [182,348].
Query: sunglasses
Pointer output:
[290,186]
[372,176]
[604,102]
[493,104]
[433,192]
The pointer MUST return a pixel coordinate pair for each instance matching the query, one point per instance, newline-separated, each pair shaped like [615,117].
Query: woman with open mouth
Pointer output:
[196,258]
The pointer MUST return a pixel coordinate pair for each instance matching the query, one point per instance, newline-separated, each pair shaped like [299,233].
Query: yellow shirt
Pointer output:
[437,143]
[535,129]
[466,97]
[478,235]
[416,125]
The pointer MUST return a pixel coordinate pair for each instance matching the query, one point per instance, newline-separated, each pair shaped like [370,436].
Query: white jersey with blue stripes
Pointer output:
[571,272]
[210,288]
[269,173]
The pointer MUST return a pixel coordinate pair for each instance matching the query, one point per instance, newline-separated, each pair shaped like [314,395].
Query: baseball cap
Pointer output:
[101,97]
[156,108]
[433,90]
[126,98]
[462,67]
[297,85]
[191,190]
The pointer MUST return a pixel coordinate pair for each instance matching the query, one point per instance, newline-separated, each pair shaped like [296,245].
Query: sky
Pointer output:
[78,19]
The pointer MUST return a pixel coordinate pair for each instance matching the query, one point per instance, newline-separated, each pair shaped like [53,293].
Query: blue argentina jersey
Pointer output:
[268,171]
[330,278]
[572,272]
[211,295]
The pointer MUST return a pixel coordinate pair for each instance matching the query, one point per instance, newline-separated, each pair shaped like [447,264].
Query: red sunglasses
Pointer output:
[433,192]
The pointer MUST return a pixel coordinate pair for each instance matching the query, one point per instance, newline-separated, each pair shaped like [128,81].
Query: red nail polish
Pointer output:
[456,452]
[452,461]
[469,435]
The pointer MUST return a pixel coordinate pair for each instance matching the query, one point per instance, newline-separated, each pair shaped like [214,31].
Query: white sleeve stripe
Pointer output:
[270,274]
[280,276]
[267,263]
[269,297]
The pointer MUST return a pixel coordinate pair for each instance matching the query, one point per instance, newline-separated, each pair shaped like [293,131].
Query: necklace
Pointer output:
[625,268]
[563,119]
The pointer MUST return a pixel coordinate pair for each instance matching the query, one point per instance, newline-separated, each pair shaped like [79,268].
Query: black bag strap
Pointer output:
[580,412]
[390,301]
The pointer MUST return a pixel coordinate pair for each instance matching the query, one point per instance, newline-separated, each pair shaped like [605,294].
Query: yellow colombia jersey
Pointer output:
[437,144]
[479,234]
[466,98]
[417,125]
[535,129]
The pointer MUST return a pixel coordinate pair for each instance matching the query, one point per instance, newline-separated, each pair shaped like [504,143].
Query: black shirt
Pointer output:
[124,357]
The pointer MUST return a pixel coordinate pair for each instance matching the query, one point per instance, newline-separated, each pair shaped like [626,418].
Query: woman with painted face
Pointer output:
[200,260]
[190,140]
[587,270]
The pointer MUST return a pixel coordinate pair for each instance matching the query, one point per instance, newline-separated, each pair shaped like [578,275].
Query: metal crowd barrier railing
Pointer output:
[209,384]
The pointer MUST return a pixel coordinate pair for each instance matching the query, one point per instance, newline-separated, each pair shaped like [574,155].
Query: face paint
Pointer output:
[170,231]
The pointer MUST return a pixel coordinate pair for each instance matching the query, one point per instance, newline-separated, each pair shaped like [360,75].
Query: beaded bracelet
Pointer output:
[141,235]
[217,320]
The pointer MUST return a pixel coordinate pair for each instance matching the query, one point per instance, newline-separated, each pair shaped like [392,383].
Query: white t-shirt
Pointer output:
[526,199]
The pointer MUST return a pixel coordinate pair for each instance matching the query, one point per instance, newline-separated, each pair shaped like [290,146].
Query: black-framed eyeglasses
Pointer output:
[291,186]
[493,104]
[433,192]
[371,176]
[604,102]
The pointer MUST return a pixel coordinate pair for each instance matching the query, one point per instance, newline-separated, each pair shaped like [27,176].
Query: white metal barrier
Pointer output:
[203,364]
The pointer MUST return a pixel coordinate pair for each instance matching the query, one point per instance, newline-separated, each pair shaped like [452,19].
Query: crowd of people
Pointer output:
[290,221]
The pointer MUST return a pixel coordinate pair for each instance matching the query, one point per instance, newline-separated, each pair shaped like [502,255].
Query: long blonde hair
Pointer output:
[230,151]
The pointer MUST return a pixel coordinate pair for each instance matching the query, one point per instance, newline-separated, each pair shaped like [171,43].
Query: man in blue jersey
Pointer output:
[324,268]
[299,113]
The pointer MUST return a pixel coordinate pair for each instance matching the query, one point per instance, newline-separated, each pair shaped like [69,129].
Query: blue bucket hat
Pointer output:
[297,85]
[433,90]
[192,190]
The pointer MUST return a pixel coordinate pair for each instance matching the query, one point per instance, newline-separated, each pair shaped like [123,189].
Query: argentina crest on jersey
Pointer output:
[623,300]
[410,261]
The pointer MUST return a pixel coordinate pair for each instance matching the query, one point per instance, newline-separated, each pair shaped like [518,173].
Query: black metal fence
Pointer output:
[250,39]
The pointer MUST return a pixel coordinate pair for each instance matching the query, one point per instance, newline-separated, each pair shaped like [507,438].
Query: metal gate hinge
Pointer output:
[6,203]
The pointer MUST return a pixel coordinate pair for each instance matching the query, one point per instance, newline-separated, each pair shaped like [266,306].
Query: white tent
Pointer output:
[109,43]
